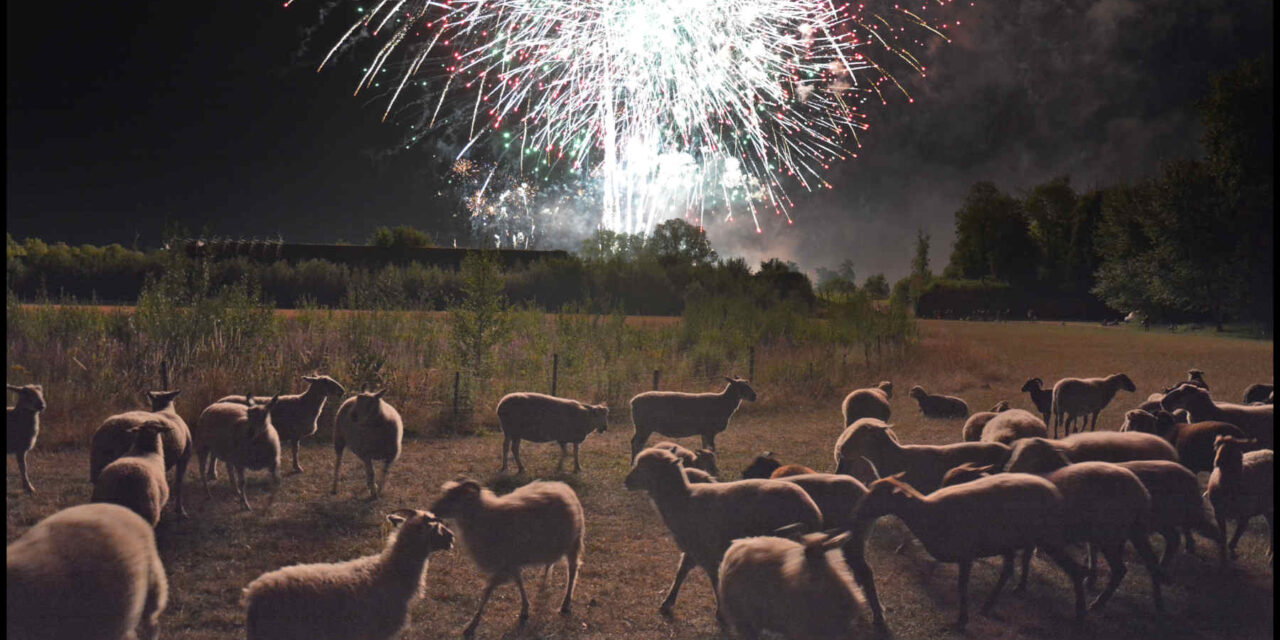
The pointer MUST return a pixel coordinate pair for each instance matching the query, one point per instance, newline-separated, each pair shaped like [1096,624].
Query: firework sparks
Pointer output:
[674,107]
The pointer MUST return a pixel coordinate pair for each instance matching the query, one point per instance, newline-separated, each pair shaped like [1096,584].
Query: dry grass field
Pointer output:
[630,559]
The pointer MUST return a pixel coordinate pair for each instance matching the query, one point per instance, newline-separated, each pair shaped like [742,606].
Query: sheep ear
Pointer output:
[378,394]
[309,378]
[874,471]
[792,531]
[836,541]
[273,400]
[986,468]
[248,399]
[12,387]
[399,516]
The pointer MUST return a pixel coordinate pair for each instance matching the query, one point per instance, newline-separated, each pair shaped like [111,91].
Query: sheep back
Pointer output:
[371,436]
[1176,498]
[1194,442]
[538,417]
[134,482]
[680,415]
[538,523]
[222,429]
[1114,446]
[836,495]
[1102,501]
[112,438]
[1013,424]
[865,403]
[1258,393]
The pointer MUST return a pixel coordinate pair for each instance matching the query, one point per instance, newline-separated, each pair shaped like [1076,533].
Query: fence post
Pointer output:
[751,364]
[810,369]
[164,375]
[555,368]
[456,376]
[655,379]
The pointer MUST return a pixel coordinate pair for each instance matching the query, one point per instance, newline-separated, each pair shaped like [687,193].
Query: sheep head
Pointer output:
[1183,396]
[887,387]
[599,417]
[1228,451]
[1139,420]
[160,400]
[325,385]
[885,496]
[917,392]
[761,467]
[1034,384]
[1122,381]
[258,426]
[739,387]
[967,472]
[1003,405]
[459,497]
[654,470]
[422,529]
[1035,455]
[30,396]
[368,403]
[705,459]
[146,436]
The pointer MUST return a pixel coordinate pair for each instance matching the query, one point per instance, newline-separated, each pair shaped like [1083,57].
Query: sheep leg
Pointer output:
[240,486]
[965,566]
[338,445]
[1026,565]
[709,441]
[470,630]
[22,470]
[713,574]
[524,599]
[297,468]
[368,479]
[637,443]
[1271,537]
[1073,571]
[506,447]
[201,461]
[571,563]
[1171,539]
[382,484]
[1241,523]
[1114,553]
[515,453]
[1142,543]
[564,453]
[179,477]
[862,573]
[1091,578]
[1006,572]
[682,572]
[1222,541]
[577,468]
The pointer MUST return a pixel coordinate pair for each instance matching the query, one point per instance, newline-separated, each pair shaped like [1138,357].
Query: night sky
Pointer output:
[125,117]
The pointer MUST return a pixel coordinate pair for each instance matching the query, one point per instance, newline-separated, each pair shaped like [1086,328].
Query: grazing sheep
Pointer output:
[373,430]
[799,589]
[972,430]
[22,426]
[1105,504]
[702,459]
[681,415]
[112,440]
[241,435]
[1176,504]
[136,479]
[538,417]
[1012,425]
[705,518]
[1017,511]
[1257,421]
[867,403]
[1081,397]
[933,406]
[924,465]
[1042,398]
[537,524]
[367,598]
[89,572]
[1260,392]
[1193,442]
[1240,487]
[294,416]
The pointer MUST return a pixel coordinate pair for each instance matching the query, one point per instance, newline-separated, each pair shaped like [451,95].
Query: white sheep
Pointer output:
[538,417]
[939,406]
[136,479]
[112,439]
[1011,425]
[992,516]
[373,430]
[22,426]
[924,465]
[972,430]
[537,524]
[367,598]
[704,519]
[702,459]
[867,403]
[1081,397]
[294,416]
[1257,421]
[241,435]
[799,589]
[680,415]
[88,571]
[1241,486]
[1042,398]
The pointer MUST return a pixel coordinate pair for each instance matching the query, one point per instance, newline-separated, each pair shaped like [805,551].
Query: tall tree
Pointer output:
[1049,208]
[992,238]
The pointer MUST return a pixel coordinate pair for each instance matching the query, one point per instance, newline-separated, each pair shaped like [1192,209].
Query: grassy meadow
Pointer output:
[630,558]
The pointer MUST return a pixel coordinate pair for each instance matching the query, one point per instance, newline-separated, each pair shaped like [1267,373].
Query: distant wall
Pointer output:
[357,255]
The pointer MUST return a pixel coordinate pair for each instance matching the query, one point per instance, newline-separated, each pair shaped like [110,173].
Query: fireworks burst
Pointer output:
[674,107]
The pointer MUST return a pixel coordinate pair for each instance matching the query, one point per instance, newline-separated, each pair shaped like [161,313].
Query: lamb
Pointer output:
[538,417]
[242,436]
[1041,397]
[702,459]
[136,479]
[112,440]
[294,416]
[537,524]
[374,430]
[923,465]
[933,406]
[1240,487]
[704,519]
[867,403]
[1193,442]
[1257,421]
[1018,511]
[1260,392]
[799,589]
[681,415]
[1176,504]
[88,571]
[1014,424]
[972,430]
[22,426]
[1079,397]
[767,466]
[1104,504]
[367,598]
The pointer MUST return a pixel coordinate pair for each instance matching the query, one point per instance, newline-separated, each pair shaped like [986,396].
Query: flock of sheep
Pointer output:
[784,548]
